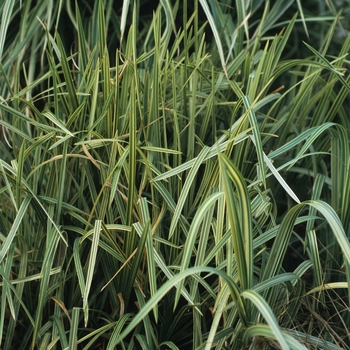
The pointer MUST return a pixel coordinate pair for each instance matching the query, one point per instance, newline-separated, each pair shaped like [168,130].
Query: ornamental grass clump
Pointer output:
[174,177]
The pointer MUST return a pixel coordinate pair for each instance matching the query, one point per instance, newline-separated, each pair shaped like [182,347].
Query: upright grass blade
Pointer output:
[48,261]
[340,172]
[132,158]
[257,139]
[18,297]
[6,297]
[78,267]
[125,10]
[185,190]
[7,8]
[16,223]
[192,236]
[61,182]
[239,215]
[129,242]
[73,343]
[135,265]
[61,332]
[91,269]
[72,102]
[152,271]
[215,31]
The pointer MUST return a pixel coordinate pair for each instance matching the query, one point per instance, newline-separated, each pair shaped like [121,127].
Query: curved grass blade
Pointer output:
[261,330]
[285,230]
[267,313]
[118,336]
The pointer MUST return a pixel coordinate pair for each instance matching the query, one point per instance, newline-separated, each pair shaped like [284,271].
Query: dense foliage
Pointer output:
[174,174]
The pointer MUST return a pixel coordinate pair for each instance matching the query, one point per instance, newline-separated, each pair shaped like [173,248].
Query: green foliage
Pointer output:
[176,179]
